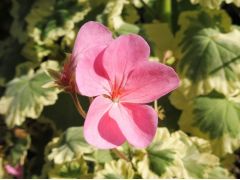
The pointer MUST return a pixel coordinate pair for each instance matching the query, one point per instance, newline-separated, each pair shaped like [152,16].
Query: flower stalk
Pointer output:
[120,155]
[78,105]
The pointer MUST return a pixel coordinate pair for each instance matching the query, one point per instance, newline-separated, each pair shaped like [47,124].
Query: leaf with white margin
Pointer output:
[214,4]
[73,169]
[119,169]
[190,157]
[25,97]
[52,27]
[216,118]
[69,146]
[236,2]
[113,17]
[210,52]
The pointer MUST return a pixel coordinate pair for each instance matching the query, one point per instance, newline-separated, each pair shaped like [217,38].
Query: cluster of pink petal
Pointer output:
[117,72]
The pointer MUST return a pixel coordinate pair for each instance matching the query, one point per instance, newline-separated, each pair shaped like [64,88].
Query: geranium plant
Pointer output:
[119,89]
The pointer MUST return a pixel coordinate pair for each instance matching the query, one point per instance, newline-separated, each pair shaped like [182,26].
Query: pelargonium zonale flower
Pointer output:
[66,78]
[118,74]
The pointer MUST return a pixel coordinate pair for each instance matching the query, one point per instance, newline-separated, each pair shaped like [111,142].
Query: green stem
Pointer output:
[78,105]
[156,105]
[120,154]
[165,10]
[130,156]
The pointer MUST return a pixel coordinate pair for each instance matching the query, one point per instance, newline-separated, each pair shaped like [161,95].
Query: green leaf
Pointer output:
[102,156]
[210,53]
[52,27]
[218,172]
[207,49]
[157,158]
[69,146]
[112,16]
[15,145]
[177,155]
[23,68]
[214,117]
[161,37]
[74,169]
[130,14]
[25,97]
[116,170]
[160,160]
[19,150]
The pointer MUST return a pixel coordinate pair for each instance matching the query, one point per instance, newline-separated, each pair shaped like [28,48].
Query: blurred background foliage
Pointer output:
[199,133]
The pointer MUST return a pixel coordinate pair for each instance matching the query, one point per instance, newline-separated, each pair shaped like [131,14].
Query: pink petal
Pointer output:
[90,74]
[99,129]
[14,171]
[138,123]
[91,34]
[122,55]
[148,82]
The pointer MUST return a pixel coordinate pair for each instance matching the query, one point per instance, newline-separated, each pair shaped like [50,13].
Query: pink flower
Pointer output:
[118,73]
[16,171]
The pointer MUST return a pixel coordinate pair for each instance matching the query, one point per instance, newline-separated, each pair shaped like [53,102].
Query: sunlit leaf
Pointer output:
[74,169]
[216,118]
[25,97]
[210,54]
[177,155]
[116,170]
[112,16]
[71,145]
[52,26]
[102,156]
[214,4]
[236,2]
[161,37]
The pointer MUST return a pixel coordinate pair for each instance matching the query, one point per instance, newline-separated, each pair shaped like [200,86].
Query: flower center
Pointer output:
[115,96]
